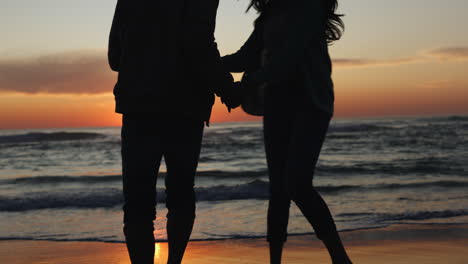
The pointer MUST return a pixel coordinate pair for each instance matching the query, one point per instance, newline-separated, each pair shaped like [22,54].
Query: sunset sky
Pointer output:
[397,58]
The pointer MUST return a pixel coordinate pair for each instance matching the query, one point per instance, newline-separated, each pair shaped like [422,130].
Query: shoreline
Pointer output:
[409,243]
[390,231]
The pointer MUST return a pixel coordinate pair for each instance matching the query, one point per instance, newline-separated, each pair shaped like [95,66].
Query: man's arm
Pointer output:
[246,56]
[200,48]
[115,48]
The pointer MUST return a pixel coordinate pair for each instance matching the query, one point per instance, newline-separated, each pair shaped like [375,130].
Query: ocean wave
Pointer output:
[41,137]
[440,184]
[423,215]
[403,167]
[393,186]
[62,179]
[398,167]
[407,216]
[369,227]
[445,119]
[112,197]
[237,131]
[67,198]
[458,118]
[341,136]
[113,178]
[232,174]
[350,128]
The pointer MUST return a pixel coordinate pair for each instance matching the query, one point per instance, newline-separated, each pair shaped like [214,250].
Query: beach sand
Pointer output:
[397,244]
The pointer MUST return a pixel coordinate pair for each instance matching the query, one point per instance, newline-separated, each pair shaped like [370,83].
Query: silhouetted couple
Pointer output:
[169,72]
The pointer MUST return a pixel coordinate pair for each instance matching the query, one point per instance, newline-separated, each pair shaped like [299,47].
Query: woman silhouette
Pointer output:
[286,59]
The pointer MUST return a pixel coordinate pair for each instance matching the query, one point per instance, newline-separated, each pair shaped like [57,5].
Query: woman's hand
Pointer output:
[232,98]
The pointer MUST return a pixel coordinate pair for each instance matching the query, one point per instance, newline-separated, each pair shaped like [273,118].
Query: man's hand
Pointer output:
[233,96]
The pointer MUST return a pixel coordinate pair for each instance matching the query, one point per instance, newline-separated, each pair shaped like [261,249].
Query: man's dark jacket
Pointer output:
[167,58]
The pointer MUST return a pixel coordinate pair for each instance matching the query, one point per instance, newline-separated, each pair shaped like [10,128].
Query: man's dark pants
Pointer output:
[146,138]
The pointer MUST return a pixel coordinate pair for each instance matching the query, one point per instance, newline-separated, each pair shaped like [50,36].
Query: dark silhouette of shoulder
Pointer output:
[166,57]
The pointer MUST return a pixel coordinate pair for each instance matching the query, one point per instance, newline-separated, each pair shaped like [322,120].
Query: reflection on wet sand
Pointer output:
[416,244]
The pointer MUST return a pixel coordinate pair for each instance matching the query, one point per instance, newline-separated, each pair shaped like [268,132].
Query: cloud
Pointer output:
[80,72]
[87,72]
[356,63]
[450,53]
[444,54]
[442,85]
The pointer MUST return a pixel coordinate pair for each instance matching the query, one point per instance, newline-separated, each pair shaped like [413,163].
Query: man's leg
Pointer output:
[182,145]
[141,156]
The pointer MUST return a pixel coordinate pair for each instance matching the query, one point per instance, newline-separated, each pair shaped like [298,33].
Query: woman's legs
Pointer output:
[307,137]
[317,213]
[276,135]
[294,135]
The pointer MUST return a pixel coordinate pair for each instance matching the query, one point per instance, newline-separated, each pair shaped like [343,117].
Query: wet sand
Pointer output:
[398,244]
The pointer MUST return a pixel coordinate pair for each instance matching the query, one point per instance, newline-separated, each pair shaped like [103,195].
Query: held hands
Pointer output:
[232,98]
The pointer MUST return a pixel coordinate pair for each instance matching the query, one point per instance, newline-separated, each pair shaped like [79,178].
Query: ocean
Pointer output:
[65,184]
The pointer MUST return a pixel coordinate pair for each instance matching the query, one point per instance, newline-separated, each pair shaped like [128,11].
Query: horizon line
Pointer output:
[409,116]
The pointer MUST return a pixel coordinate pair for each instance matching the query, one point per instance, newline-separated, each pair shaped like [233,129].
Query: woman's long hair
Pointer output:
[334,25]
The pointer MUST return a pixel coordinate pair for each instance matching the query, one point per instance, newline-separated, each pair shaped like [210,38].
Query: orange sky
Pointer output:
[81,96]
[43,111]
[54,73]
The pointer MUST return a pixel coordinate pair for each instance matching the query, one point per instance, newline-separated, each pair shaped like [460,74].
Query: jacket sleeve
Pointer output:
[247,57]
[200,49]
[115,45]
[305,25]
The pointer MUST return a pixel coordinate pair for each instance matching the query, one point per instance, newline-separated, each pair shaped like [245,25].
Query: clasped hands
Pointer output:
[232,97]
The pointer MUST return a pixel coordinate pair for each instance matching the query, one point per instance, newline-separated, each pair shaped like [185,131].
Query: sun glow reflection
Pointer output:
[157,251]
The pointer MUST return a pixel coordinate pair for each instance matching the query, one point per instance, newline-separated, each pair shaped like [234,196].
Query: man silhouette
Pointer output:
[169,70]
